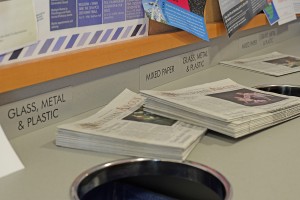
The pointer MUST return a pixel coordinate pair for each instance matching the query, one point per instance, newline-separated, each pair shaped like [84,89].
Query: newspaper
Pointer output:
[122,127]
[223,106]
[275,64]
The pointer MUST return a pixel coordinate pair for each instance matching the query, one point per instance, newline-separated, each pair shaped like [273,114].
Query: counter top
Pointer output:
[263,165]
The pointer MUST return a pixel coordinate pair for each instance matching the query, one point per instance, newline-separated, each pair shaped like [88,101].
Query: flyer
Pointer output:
[271,13]
[187,15]
[18,24]
[297,6]
[237,13]
[67,25]
[285,10]
[9,160]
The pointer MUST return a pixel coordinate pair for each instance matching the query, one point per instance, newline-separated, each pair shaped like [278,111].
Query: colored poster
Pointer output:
[182,3]
[271,13]
[67,25]
[187,15]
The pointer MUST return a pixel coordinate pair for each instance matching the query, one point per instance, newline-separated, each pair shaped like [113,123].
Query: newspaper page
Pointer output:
[237,13]
[18,24]
[187,15]
[285,10]
[124,119]
[275,64]
[223,100]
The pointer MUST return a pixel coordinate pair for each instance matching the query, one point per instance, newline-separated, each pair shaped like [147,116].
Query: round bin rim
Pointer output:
[83,175]
[276,85]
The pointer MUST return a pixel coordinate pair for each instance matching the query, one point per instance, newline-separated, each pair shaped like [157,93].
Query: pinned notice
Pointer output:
[18,24]
[183,14]
[9,160]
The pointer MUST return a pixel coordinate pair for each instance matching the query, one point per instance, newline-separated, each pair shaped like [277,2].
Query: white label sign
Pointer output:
[257,41]
[195,61]
[268,38]
[37,112]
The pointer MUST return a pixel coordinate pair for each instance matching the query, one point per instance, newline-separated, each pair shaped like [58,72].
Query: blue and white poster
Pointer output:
[271,13]
[187,15]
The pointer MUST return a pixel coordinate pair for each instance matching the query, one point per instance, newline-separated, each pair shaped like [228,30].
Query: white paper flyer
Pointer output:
[8,158]
[18,24]
[297,6]
[285,10]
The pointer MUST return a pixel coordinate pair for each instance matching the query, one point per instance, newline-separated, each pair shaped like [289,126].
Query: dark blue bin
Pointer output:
[150,179]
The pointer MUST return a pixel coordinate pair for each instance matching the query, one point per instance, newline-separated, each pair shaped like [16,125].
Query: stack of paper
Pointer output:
[275,64]
[223,106]
[122,127]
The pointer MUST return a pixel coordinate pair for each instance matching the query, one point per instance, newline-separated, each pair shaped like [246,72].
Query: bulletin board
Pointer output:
[66,25]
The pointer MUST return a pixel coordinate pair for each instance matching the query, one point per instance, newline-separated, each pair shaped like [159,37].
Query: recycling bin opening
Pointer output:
[150,179]
[289,90]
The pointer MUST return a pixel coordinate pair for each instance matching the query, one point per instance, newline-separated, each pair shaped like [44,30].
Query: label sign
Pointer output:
[196,60]
[257,41]
[268,38]
[37,112]
[159,73]
[170,69]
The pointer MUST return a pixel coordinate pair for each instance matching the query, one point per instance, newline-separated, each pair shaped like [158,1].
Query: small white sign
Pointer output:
[37,112]
[195,61]
[9,160]
[257,41]
[268,38]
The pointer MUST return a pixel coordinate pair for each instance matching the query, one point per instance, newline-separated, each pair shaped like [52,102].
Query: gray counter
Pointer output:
[261,166]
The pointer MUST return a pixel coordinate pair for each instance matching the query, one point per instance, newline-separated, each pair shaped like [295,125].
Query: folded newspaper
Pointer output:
[223,106]
[123,127]
[275,64]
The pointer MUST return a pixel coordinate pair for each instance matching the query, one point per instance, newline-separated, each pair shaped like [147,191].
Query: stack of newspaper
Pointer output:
[275,64]
[123,127]
[223,106]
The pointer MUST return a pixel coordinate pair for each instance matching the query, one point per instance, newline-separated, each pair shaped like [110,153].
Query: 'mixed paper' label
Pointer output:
[257,41]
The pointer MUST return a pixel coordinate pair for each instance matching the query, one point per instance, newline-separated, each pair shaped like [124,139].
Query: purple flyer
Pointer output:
[62,14]
[134,9]
[113,11]
[89,12]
